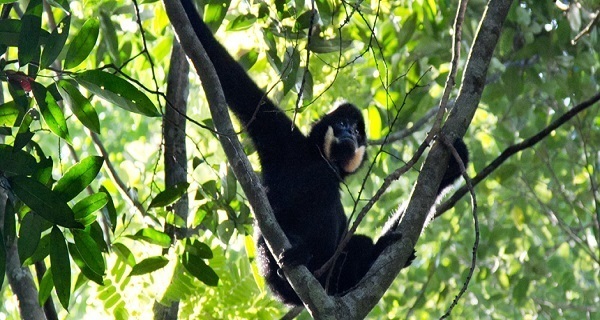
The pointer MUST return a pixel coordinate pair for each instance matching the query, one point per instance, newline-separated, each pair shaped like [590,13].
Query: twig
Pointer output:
[399,135]
[115,176]
[475,221]
[451,80]
[146,51]
[508,152]
[588,28]
[306,286]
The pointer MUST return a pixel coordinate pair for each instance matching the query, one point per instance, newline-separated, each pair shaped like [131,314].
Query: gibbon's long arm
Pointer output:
[270,129]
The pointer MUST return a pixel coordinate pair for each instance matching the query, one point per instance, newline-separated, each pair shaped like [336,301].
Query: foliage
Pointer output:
[538,212]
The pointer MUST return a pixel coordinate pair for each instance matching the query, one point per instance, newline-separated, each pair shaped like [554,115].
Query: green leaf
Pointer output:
[117,91]
[263,11]
[407,30]
[200,249]
[241,22]
[51,111]
[214,13]
[56,42]
[46,286]
[83,209]
[80,105]
[307,94]
[29,36]
[149,265]
[9,113]
[505,172]
[109,210]
[89,251]
[153,236]
[110,37]
[374,121]
[199,269]
[326,9]
[225,230]
[169,195]
[97,234]
[10,31]
[19,95]
[43,174]
[44,201]
[60,4]
[248,59]
[229,185]
[78,177]
[30,233]
[321,45]
[83,43]
[60,267]
[291,64]
[520,290]
[24,133]
[87,272]
[303,20]
[23,138]
[124,253]
[16,162]
[41,252]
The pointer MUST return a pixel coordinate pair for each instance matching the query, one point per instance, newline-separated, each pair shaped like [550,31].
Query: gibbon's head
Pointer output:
[341,137]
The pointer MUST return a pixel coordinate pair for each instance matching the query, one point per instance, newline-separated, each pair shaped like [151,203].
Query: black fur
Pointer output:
[301,176]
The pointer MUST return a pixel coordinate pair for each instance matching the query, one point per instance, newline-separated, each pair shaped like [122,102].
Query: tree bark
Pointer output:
[305,284]
[360,301]
[174,122]
[357,303]
[19,277]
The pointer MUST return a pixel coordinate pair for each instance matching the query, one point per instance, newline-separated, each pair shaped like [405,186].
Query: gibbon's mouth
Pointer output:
[347,142]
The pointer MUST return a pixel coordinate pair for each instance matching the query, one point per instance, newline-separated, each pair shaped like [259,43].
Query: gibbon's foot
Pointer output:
[410,259]
[390,238]
[294,256]
[453,170]
[280,274]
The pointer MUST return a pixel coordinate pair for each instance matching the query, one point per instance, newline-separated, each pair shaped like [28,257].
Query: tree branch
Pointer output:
[510,151]
[588,28]
[174,123]
[304,283]
[385,268]
[19,277]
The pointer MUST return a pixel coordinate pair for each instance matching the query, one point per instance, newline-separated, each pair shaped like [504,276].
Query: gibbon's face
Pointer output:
[344,142]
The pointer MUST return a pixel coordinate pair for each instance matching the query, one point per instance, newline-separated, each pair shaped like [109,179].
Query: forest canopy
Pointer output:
[118,198]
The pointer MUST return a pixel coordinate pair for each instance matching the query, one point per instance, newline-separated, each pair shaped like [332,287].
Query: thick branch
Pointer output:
[423,196]
[19,277]
[305,284]
[174,122]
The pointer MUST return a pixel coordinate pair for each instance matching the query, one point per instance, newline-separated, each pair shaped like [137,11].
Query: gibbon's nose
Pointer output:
[345,134]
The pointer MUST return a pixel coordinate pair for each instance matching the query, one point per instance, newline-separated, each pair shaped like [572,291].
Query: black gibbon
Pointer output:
[302,176]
